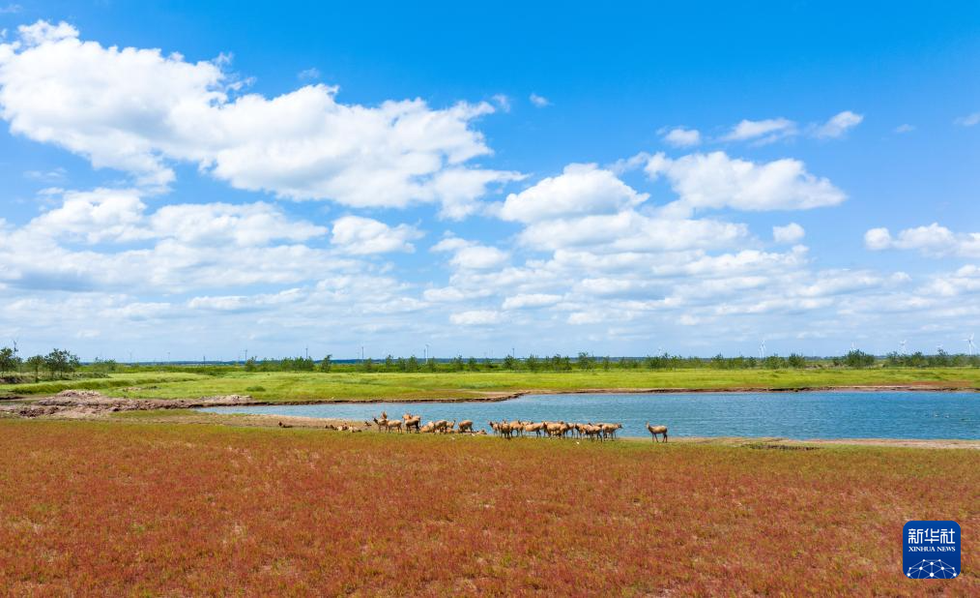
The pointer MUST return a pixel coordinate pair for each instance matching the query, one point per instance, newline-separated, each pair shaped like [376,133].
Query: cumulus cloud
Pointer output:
[96,216]
[580,189]
[470,255]
[539,101]
[715,181]
[791,233]
[139,111]
[904,128]
[477,317]
[362,236]
[681,137]
[631,231]
[838,125]
[530,300]
[932,240]
[768,130]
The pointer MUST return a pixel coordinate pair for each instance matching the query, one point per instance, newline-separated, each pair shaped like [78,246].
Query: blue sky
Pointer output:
[698,178]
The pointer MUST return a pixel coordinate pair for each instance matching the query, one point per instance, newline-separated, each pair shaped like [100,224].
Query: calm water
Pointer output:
[923,415]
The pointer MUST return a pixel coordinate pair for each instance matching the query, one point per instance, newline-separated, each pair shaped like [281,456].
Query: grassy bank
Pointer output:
[190,510]
[353,386]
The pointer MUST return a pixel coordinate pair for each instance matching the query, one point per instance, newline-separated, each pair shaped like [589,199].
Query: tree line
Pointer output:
[59,363]
[586,361]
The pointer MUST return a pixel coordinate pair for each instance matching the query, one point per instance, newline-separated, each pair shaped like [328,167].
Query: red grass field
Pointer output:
[121,509]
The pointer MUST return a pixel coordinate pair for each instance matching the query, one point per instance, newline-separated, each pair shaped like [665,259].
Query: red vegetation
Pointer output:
[119,509]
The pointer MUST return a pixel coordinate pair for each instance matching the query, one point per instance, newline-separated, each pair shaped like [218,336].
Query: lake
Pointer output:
[802,415]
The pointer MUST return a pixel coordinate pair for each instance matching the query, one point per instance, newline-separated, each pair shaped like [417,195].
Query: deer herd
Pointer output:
[505,429]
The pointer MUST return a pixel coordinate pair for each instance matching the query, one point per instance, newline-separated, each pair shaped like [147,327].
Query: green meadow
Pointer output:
[368,386]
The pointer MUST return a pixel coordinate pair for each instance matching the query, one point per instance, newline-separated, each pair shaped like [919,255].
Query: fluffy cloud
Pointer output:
[470,255]
[480,317]
[769,130]
[580,189]
[137,110]
[715,181]
[681,137]
[838,125]
[933,240]
[631,231]
[528,300]
[361,236]
[791,233]
[96,216]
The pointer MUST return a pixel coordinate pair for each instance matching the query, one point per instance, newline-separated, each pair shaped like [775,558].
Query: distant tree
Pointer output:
[9,361]
[413,364]
[61,362]
[389,363]
[796,360]
[585,361]
[457,364]
[251,364]
[472,365]
[326,363]
[430,364]
[533,363]
[368,365]
[35,363]
[510,363]
[606,363]
[401,364]
[858,359]
[104,366]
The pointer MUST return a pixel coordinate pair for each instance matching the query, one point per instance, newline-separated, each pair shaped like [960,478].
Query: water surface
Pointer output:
[915,415]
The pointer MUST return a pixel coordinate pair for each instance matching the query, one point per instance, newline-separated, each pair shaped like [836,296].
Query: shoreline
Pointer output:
[500,396]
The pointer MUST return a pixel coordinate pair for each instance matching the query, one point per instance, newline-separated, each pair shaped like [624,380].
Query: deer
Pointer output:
[655,430]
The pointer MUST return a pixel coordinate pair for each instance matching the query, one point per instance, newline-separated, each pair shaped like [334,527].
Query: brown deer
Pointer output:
[655,430]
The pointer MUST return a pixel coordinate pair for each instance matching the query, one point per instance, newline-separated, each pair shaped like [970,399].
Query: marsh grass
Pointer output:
[354,386]
[147,509]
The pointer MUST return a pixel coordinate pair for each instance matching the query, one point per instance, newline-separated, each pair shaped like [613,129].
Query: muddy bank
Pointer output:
[89,403]
[496,396]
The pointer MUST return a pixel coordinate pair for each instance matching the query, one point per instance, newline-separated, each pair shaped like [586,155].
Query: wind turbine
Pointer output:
[903,345]
[969,344]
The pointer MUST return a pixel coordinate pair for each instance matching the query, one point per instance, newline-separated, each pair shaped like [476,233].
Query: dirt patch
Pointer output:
[89,403]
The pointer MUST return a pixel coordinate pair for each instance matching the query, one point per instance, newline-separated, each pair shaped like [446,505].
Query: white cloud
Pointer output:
[770,129]
[681,137]
[904,128]
[791,233]
[11,9]
[470,255]
[539,101]
[244,225]
[528,300]
[479,317]
[139,111]
[933,240]
[362,236]
[838,125]
[95,216]
[968,120]
[502,101]
[715,181]
[580,189]
[631,231]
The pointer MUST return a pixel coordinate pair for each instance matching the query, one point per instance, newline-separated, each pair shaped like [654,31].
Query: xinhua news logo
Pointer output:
[932,549]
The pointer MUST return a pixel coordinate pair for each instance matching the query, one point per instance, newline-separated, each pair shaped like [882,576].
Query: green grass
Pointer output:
[114,381]
[356,386]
